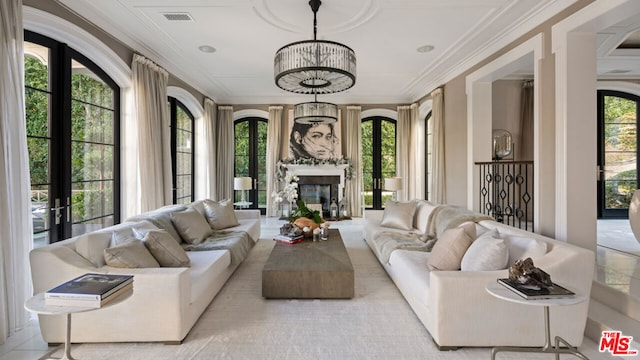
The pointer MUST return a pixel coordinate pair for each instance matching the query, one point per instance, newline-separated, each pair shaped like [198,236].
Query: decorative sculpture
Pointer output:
[526,274]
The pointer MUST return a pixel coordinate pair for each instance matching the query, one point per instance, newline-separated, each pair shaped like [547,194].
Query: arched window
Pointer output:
[428,148]
[617,152]
[378,159]
[251,158]
[182,152]
[73,127]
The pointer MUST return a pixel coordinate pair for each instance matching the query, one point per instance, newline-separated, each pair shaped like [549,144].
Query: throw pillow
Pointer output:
[220,214]
[130,254]
[448,251]
[522,247]
[165,249]
[121,236]
[398,215]
[486,253]
[191,226]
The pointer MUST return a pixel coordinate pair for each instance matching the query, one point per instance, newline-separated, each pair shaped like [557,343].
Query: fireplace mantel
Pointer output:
[321,170]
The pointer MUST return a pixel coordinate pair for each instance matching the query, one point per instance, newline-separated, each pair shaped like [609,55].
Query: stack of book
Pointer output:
[288,239]
[554,291]
[90,290]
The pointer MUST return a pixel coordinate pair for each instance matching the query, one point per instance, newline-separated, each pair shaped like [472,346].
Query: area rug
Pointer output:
[239,324]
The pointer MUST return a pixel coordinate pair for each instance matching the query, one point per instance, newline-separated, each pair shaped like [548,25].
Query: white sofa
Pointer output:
[455,307]
[166,301]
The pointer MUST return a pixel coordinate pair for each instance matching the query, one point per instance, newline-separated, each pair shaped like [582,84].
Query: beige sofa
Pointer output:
[166,301]
[455,307]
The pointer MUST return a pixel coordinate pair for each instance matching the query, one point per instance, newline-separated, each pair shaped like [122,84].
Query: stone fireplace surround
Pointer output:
[333,175]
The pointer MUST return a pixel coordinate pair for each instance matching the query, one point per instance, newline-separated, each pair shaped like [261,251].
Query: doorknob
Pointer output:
[57,214]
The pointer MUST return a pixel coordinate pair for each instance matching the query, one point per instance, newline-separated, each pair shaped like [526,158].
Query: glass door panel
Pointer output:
[618,153]
[37,105]
[92,151]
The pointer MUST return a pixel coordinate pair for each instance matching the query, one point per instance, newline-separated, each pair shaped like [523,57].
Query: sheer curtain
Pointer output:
[352,138]
[408,154]
[16,237]
[154,154]
[274,138]
[224,154]
[209,146]
[526,121]
[437,193]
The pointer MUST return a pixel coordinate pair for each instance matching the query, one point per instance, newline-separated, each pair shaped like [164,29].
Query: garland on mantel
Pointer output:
[281,167]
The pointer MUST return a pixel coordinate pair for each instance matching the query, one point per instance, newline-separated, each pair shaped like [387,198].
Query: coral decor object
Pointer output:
[307,225]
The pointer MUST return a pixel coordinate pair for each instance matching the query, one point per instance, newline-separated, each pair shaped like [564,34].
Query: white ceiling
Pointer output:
[385,35]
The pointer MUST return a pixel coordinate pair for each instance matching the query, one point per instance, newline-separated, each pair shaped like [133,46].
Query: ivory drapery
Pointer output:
[409,158]
[526,121]
[16,239]
[437,182]
[352,140]
[274,138]
[224,144]
[209,146]
[154,153]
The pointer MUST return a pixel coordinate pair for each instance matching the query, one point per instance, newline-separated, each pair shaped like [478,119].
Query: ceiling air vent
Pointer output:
[178,16]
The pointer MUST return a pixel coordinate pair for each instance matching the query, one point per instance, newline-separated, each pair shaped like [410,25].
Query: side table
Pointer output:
[501,292]
[242,204]
[37,305]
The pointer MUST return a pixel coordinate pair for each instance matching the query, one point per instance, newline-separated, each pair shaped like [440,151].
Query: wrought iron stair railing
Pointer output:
[506,192]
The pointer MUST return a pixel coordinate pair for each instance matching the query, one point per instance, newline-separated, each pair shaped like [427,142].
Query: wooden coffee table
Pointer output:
[309,270]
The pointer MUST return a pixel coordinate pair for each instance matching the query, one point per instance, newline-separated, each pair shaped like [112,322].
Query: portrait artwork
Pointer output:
[319,141]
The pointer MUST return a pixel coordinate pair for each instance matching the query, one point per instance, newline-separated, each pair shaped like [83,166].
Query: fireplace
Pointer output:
[319,184]
[319,190]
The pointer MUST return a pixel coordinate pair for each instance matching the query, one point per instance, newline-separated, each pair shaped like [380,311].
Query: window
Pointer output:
[182,154]
[617,152]
[251,159]
[378,159]
[72,115]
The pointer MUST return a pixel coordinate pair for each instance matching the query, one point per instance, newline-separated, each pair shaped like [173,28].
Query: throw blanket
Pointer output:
[387,241]
[445,217]
[237,242]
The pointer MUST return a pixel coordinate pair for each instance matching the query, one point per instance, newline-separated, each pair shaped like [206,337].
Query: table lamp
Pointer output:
[394,184]
[242,184]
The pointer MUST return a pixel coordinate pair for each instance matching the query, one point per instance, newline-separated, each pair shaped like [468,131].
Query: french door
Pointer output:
[182,154]
[251,159]
[72,117]
[378,159]
[617,152]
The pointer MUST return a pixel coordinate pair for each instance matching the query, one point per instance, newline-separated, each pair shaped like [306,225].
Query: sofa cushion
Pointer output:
[399,215]
[165,249]
[130,254]
[161,218]
[121,236]
[522,247]
[448,251]
[421,216]
[220,214]
[91,246]
[488,252]
[192,227]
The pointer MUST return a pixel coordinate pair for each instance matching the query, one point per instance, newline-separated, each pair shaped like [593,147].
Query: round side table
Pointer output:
[36,304]
[501,292]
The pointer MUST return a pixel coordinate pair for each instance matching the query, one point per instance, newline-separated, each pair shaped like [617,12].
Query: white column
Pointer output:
[576,139]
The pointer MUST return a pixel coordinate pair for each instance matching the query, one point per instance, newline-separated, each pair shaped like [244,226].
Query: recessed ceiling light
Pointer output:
[425,48]
[207,49]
